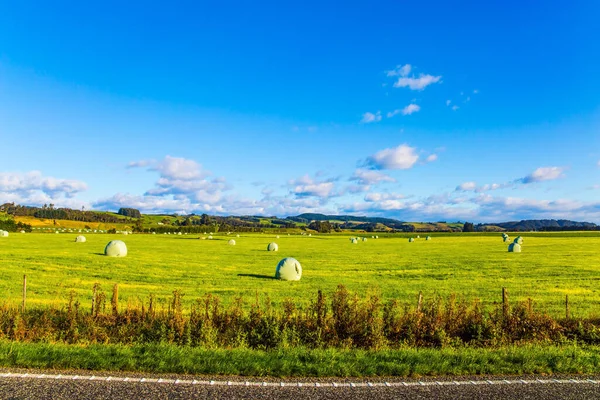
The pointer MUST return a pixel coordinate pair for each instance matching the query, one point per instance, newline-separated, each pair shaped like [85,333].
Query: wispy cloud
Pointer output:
[370,177]
[400,70]
[448,102]
[543,174]
[417,83]
[455,107]
[306,186]
[401,157]
[409,109]
[431,158]
[369,117]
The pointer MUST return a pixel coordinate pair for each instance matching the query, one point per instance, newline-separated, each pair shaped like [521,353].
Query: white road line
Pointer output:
[129,380]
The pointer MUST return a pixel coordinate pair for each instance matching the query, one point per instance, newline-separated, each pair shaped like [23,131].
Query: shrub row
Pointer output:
[344,320]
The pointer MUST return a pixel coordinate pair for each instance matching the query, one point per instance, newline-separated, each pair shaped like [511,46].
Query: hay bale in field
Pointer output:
[125,233]
[210,237]
[179,233]
[237,235]
[514,248]
[80,239]
[272,246]
[428,238]
[22,231]
[3,234]
[506,239]
[115,248]
[372,237]
[364,239]
[310,234]
[418,237]
[231,242]
[410,240]
[376,237]
[354,241]
[154,233]
[518,240]
[288,269]
[277,237]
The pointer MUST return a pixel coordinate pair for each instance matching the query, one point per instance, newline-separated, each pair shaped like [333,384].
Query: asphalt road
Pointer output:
[14,387]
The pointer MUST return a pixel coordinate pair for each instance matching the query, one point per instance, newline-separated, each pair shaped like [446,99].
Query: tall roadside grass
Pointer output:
[340,320]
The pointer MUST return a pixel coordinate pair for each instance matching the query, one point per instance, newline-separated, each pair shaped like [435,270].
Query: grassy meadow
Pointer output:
[472,266]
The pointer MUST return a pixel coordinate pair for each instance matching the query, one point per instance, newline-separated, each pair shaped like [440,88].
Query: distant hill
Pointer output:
[540,225]
[48,215]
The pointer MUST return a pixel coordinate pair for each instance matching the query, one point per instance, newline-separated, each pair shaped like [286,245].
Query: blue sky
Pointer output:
[422,112]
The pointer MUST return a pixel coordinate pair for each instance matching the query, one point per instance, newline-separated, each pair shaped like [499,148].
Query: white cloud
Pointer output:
[476,91]
[467,186]
[370,177]
[419,83]
[33,188]
[431,158]
[375,197]
[448,102]
[543,174]
[455,107]
[598,163]
[141,163]
[370,117]
[409,109]
[401,157]
[306,186]
[35,181]
[400,70]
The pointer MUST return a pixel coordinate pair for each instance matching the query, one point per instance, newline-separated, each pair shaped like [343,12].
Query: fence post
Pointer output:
[420,302]
[94,299]
[504,302]
[24,292]
[115,300]
[567,309]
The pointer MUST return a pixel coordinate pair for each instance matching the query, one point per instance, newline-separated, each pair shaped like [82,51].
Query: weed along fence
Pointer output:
[341,319]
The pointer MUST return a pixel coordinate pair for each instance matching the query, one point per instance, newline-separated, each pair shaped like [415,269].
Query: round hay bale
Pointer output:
[3,234]
[376,237]
[22,231]
[506,239]
[514,248]
[210,237]
[179,233]
[428,238]
[115,248]
[125,233]
[80,239]
[354,241]
[410,240]
[231,242]
[277,237]
[310,234]
[372,237]
[237,235]
[518,240]
[364,239]
[154,233]
[288,269]
[272,246]
[418,237]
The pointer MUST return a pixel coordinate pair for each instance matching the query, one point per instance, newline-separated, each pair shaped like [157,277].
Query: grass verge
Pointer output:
[166,358]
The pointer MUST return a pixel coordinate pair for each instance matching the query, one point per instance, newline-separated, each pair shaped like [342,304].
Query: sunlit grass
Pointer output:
[473,266]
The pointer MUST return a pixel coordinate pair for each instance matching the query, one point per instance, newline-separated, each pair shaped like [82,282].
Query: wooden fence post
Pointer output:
[115,300]
[24,292]
[420,302]
[567,309]
[504,302]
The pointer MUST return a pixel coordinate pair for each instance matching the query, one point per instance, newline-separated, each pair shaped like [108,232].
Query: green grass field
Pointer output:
[473,266]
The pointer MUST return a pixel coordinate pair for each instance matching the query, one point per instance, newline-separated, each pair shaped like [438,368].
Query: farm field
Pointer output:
[472,266]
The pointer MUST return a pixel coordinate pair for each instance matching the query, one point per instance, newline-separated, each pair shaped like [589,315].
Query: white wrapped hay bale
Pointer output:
[272,247]
[115,248]
[3,233]
[514,248]
[354,241]
[231,242]
[288,269]
[410,240]
[428,238]
[80,239]
[519,240]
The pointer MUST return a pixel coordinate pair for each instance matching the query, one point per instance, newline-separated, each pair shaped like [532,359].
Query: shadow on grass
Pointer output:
[257,276]
[98,254]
